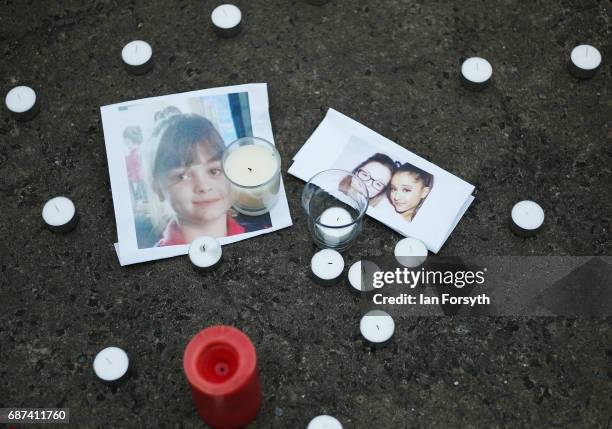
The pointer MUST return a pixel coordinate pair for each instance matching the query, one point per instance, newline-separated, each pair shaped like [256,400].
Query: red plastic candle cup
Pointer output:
[221,366]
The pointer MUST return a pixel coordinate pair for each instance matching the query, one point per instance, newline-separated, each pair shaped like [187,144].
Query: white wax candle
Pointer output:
[251,165]
[527,217]
[585,60]
[324,422]
[359,271]
[476,72]
[254,171]
[111,364]
[226,20]
[410,252]
[377,327]
[21,101]
[59,214]
[205,252]
[339,219]
[137,56]
[327,266]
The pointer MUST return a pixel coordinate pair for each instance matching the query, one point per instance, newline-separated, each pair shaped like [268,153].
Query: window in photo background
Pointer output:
[186,193]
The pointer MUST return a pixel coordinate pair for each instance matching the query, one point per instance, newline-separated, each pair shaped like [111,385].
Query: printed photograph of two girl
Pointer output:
[396,188]
[411,195]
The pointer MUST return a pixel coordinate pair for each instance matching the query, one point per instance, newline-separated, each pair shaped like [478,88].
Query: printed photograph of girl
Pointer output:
[178,188]
[375,172]
[408,189]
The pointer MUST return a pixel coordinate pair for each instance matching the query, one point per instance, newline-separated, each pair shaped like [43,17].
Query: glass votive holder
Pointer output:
[252,165]
[335,202]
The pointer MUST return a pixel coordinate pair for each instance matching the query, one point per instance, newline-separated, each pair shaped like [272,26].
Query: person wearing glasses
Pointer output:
[375,172]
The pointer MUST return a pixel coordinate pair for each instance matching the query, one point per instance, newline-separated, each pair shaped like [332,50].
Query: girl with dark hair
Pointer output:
[186,174]
[408,189]
[375,172]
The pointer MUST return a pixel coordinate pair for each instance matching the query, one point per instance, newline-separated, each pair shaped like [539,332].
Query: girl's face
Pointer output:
[198,193]
[376,177]
[406,191]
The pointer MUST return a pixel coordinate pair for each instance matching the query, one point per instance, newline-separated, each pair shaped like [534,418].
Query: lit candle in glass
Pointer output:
[252,165]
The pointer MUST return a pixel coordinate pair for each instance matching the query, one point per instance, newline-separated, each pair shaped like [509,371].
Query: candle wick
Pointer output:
[56,207]
[586,51]
[136,48]
[203,248]
[330,263]
[109,361]
[378,327]
[250,169]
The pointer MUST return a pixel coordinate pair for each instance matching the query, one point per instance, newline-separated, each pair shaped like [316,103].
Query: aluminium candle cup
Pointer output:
[325,282]
[327,267]
[60,215]
[205,254]
[410,252]
[526,218]
[476,73]
[137,62]
[220,364]
[356,274]
[23,103]
[324,422]
[226,20]
[377,328]
[112,366]
[584,61]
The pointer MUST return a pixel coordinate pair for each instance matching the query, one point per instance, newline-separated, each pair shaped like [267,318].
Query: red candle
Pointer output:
[221,366]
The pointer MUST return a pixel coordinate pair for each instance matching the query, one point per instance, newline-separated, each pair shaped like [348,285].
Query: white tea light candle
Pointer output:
[227,20]
[137,56]
[324,422]
[527,218]
[410,252]
[335,225]
[476,73]
[111,364]
[584,61]
[361,276]
[327,266]
[59,214]
[21,102]
[377,327]
[205,253]
[252,165]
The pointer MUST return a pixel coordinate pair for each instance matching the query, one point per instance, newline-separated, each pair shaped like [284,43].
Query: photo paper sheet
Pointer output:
[406,192]
[164,159]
